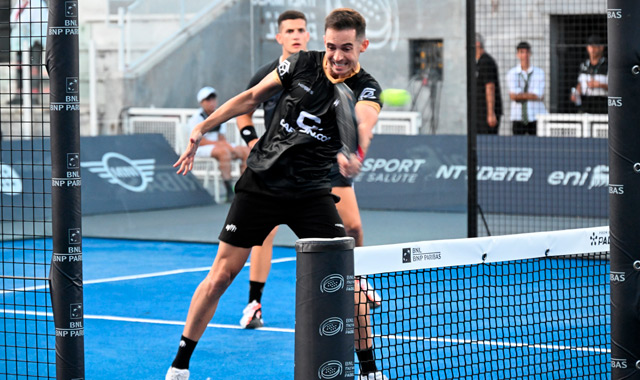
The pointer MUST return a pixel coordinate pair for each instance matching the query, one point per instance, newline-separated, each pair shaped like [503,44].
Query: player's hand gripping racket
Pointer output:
[348,129]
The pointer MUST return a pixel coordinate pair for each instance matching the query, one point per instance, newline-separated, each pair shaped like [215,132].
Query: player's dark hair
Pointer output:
[291,15]
[344,19]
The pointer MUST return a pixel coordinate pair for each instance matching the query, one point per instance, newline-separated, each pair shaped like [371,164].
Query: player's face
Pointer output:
[293,36]
[343,51]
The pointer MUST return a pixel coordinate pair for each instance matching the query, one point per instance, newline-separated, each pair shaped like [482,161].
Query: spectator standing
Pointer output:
[489,99]
[526,91]
[590,93]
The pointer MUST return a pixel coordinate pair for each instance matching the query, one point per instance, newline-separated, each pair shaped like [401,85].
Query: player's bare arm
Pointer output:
[367,117]
[242,103]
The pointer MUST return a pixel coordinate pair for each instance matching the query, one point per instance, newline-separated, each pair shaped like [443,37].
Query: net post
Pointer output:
[324,347]
[65,277]
[624,112]
[472,150]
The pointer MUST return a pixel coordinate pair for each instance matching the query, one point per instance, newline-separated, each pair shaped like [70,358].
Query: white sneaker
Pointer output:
[177,374]
[252,316]
[374,376]
[373,297]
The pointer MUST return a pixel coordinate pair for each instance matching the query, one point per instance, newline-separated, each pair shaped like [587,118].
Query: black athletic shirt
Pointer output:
[294,156]
[270,105]
[487,72]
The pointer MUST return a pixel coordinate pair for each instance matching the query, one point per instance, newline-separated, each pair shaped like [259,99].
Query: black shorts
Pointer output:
[252,216]
[337,179]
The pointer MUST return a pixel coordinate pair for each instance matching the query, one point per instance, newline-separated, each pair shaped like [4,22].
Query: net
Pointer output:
[524,306]
[27,334]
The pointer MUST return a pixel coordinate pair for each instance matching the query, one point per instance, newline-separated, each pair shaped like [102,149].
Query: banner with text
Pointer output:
[524,175]
[118,173]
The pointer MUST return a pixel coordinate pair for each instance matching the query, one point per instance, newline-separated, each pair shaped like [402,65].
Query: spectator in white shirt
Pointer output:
[213,143]
[526,91]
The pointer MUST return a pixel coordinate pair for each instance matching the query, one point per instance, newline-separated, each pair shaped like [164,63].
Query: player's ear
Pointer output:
[364,45]
[279,38]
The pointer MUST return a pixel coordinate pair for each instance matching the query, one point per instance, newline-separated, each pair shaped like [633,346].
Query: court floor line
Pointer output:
[142,320]
[548,347]
[141,276]
[172,272]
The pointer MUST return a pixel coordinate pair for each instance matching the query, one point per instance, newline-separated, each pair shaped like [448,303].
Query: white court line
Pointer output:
[548,347]
[140,276]
[143,320]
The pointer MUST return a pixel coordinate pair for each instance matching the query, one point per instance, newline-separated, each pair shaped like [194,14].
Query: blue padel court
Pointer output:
[431,325]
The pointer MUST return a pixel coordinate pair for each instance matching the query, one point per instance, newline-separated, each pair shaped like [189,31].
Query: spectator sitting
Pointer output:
[214,143]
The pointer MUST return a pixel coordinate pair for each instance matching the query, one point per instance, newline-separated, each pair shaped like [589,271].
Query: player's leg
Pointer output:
[364,298]
[249,221]
[349,213]
[227,264]
[258,272]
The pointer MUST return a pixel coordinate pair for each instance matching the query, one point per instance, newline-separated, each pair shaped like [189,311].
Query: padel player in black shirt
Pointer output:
[303,125]
[286,181]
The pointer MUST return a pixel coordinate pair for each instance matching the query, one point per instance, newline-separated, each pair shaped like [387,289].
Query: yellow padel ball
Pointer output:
[395,97]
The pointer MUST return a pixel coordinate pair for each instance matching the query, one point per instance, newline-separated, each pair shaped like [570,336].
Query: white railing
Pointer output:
[171,123]
[573,125]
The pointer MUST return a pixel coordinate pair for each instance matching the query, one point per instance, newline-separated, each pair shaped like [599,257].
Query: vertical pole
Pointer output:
[93,101]
[25,66]
[324,347]
[66,264]
[472,152]
[624,186]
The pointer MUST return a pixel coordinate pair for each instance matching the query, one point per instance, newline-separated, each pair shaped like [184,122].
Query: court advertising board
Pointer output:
[118,174]
[521,175]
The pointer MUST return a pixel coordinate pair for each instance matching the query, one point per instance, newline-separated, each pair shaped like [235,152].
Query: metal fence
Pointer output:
[540,71]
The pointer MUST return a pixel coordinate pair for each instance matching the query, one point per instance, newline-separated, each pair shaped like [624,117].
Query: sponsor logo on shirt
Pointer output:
[368,93]
[283,68]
